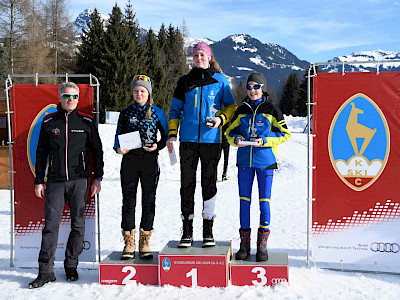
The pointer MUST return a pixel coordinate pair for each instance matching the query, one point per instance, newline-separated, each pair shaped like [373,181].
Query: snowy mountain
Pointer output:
[363,56]
[241,54]
[80,22]
[191,41]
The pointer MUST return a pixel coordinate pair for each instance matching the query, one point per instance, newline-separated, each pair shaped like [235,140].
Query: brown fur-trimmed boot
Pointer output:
[129,249]
[144,247]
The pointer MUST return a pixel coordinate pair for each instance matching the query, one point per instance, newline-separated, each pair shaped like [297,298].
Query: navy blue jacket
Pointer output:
[268,123]
[133,118]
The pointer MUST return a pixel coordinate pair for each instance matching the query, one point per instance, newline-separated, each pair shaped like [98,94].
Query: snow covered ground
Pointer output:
[288,234]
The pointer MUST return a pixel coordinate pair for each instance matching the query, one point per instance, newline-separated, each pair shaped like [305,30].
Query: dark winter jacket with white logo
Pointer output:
[66,139]
[133,118]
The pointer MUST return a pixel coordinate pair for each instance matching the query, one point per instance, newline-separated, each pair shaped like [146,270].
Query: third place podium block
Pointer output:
[195,266]
[113,270]
[249,272]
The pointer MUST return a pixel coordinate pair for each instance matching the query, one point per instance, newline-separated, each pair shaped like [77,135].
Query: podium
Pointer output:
[195,266]
[114,271]
[249,272]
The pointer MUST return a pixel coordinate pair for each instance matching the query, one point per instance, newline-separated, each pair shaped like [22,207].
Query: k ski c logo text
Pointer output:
[359,142]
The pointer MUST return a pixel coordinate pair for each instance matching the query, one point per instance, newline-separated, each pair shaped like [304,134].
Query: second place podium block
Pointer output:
[195,266]
[113,270]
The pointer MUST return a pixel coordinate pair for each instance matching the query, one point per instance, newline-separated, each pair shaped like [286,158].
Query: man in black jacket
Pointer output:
[66,138]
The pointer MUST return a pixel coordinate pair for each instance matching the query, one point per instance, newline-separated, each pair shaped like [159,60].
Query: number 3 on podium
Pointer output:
[261,275]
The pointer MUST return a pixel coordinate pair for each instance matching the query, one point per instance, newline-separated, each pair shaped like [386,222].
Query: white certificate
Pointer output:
[130,140]
[247,143]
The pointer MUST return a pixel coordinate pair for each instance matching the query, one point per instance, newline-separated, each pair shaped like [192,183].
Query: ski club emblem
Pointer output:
[166,264]
[56,131]
[211,96]
[359,142]
[33,134]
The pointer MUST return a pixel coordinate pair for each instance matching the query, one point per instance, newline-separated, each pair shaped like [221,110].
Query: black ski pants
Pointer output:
[190,154]
[57,194]
[135,168]
[225,149]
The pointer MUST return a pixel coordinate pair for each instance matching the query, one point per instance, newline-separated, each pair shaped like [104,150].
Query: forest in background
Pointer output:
[38,36]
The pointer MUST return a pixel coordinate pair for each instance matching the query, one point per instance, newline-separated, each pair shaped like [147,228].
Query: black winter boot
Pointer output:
[208,239]
[42,279]
[262,238]
[72,274]
[244,251]
[187,234]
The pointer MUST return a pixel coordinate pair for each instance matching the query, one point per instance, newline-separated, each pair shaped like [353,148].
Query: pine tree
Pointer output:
[162,37]
[119,63]
[175,59]
[156,70]
[290,96]
[175,52]
[88,56]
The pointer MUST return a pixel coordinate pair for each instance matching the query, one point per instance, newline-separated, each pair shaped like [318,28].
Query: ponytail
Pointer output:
[149,102]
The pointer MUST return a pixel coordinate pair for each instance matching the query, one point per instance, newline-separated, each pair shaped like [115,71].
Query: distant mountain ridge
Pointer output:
[241,54]
[363,56]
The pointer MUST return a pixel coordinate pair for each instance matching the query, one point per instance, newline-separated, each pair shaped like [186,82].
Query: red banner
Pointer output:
[31,104]
[356,212]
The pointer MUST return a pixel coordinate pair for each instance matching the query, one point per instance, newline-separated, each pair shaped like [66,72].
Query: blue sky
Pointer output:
[313,30]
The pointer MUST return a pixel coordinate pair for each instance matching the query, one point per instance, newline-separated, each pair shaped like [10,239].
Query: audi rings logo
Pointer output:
[385,247]
[278,280]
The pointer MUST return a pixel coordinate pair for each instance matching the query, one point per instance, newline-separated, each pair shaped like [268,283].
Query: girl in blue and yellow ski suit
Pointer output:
[266,121]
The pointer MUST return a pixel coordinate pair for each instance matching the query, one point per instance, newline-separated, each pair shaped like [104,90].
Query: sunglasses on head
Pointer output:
[68,96]
[254,86]
[142,77]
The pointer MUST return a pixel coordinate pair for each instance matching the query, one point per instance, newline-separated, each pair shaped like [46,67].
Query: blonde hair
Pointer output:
[149,102]
[214,62]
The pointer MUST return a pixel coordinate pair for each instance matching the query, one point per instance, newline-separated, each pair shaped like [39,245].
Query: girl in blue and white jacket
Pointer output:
[203,94]
[257,119]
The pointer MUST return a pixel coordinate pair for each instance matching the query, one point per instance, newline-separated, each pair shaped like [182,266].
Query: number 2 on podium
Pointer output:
[131,273]
[193,274]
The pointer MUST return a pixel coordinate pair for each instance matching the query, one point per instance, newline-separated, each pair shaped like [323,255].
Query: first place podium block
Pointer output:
[249,272]
[195,266]
[113,270]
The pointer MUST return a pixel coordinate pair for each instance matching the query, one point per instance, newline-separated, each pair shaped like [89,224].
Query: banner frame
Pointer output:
[93,82]
[311,73]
